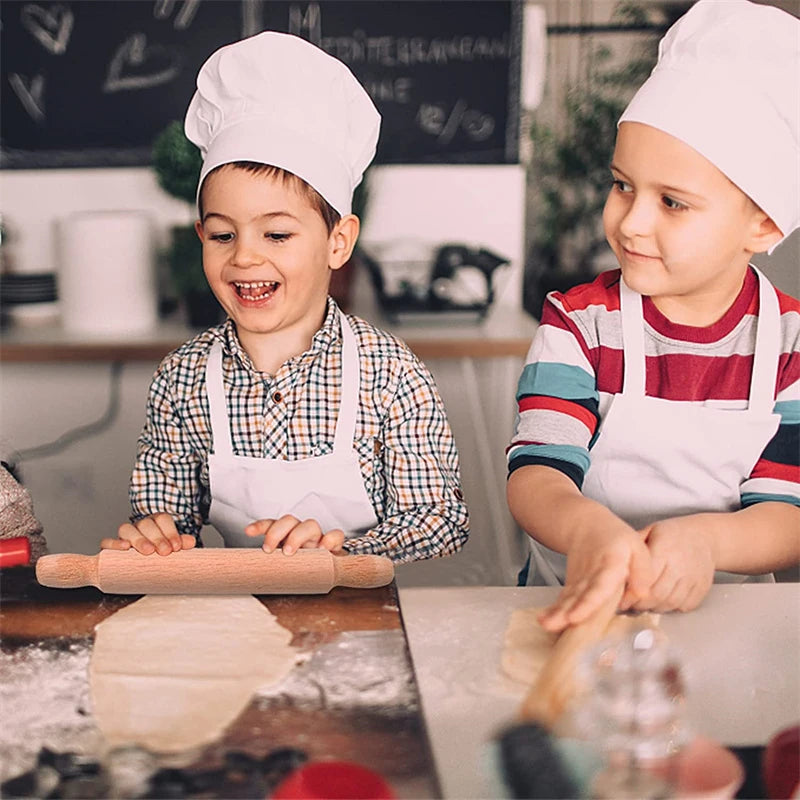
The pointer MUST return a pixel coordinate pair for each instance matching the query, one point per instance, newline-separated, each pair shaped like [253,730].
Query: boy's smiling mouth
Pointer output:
[255,290]
[636,256]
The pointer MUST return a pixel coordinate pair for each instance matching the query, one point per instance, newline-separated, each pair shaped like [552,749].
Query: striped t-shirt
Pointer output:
[575,367]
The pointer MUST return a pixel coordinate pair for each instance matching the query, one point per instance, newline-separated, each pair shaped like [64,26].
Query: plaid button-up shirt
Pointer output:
[405,447]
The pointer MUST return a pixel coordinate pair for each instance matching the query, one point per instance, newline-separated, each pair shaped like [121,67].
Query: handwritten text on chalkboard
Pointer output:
[93,82]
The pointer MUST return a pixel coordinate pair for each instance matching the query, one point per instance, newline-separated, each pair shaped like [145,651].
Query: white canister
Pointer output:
[106,280]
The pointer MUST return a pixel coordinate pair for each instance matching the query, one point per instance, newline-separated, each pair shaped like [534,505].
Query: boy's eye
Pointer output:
[221,237]
[621,186]
[278,237]
[671,204]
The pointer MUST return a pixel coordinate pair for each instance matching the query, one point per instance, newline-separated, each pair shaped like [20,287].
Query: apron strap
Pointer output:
[767,348]
[765,358]
[348,408]
[215,389]
[630,309]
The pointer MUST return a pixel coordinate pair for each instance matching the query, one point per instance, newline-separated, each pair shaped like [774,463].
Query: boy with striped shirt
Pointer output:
[657,447]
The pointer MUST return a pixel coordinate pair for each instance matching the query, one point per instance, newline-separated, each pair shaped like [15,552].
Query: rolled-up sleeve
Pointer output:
[166,474]
[424,512]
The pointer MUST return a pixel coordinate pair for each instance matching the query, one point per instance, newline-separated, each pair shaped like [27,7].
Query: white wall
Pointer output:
[482,205]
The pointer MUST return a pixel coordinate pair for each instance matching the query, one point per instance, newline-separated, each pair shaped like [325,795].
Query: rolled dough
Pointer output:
[527,646]
[170,672]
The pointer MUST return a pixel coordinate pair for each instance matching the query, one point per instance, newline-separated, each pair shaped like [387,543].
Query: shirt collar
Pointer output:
[321,342]
[329,333]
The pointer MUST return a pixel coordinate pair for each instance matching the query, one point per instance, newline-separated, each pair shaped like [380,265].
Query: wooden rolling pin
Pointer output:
[214,570]
[550,694]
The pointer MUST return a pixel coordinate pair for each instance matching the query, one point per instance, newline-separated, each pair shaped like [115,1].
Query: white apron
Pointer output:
[655,458]
[328,488]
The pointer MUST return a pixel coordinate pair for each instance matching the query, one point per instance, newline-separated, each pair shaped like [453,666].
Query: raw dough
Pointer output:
[170,672]
[527,645]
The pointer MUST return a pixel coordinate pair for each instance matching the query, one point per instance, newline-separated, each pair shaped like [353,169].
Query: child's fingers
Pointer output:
[555,617]
[278,531]
[640,573]
[333,541]
[595,595]
[136,539]
[305,533]
[166,526]
[188,541]
[146,537]
[115,544]
[259,527]
[677,597]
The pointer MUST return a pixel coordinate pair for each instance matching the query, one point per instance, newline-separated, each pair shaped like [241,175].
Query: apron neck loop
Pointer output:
[630,309]
[215,388]
[349,393]
[766,351]
[348,408]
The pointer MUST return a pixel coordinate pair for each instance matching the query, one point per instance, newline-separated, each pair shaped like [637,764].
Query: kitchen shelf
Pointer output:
[505,332]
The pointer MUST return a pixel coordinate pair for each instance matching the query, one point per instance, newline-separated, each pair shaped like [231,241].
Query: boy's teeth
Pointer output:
[255,289]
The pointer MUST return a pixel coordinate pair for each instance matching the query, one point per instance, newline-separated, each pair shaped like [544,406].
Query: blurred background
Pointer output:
[498,124]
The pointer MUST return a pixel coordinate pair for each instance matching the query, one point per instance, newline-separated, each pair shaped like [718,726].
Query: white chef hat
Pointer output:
[276,99]
[727,83]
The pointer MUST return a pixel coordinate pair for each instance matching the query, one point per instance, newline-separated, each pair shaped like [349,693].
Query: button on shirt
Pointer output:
[405,447]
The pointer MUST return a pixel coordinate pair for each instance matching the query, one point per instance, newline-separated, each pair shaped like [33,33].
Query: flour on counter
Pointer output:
[44,701]
[359,669]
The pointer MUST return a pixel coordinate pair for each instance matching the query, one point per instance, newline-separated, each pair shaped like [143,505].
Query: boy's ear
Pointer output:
[198,226]
[343,240]
[764,233]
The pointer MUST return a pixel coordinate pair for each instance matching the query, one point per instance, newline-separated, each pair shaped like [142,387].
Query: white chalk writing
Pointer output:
[388,90]
[136,65]
[51,27]
[390,51]
[30,93]
[435,119]
[183,19]
[307,24]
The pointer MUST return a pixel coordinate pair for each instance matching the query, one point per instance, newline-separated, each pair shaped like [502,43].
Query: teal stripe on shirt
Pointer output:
[557,380]
[751,498]
[789,411]
[558,452]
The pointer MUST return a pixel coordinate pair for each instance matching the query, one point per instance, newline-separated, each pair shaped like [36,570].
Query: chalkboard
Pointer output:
[93,82]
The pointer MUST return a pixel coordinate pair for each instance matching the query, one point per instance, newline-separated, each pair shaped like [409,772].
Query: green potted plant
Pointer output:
[177,163]
[569,171]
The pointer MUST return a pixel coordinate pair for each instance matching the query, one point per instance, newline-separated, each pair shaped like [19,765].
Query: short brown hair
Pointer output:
[330,216]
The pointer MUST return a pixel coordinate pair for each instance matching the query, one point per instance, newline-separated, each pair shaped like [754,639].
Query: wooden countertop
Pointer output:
[390,738]
[506,332]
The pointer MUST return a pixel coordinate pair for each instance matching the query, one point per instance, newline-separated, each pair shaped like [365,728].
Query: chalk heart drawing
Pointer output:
[30,92]
[51,26]
[137,65]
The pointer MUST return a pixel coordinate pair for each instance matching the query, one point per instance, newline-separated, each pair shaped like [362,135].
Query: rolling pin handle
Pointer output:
[67,570]
[362,571]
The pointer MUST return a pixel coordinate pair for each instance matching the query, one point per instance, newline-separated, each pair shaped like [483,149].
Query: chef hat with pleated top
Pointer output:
[277,99]
[727,83]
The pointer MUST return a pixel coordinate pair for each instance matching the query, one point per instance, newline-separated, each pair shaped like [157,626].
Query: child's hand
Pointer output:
[291,534]
[683,565]
[598,562]
[154,534]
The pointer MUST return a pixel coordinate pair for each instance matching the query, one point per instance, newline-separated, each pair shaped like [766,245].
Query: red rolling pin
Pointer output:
[15,552]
